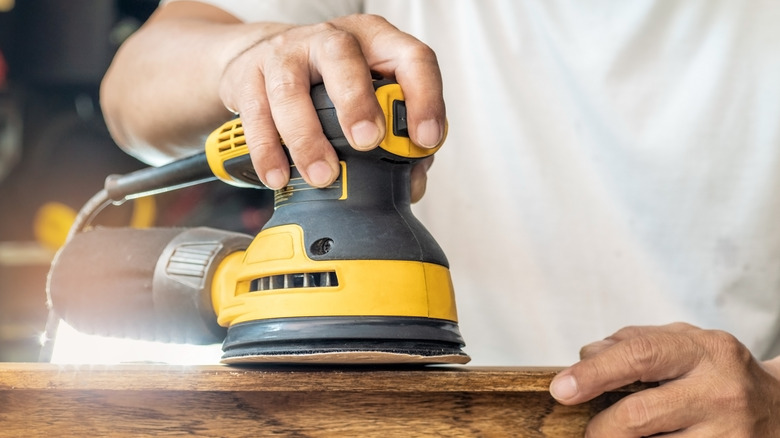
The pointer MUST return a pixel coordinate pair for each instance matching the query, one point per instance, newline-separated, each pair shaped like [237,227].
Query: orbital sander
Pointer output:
[342,274]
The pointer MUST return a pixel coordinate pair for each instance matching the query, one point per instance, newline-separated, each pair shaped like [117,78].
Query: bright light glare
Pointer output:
[74,347]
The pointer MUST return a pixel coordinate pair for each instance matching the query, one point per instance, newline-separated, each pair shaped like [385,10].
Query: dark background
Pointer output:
[56,52]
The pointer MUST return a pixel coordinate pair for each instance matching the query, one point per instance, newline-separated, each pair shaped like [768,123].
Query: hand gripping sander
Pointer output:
[342,274]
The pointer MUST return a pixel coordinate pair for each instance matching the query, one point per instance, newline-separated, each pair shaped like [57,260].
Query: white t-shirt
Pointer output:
[608,163]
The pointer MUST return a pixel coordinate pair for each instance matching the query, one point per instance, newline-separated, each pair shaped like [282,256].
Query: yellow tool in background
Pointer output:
[342,274]
[53,220]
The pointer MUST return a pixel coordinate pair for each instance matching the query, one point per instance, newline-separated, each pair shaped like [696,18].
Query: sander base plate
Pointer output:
[349,358]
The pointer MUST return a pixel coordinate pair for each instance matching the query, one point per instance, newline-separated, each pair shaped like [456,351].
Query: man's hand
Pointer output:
[194,60]
[268,83]
[711,386]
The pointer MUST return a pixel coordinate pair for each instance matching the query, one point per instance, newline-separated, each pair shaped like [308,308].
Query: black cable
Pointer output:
[178,174]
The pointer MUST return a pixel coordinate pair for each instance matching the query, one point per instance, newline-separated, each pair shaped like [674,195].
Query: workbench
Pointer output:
[228,401]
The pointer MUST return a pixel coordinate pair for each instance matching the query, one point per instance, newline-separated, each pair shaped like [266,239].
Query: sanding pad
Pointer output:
[349,358]
[345,340]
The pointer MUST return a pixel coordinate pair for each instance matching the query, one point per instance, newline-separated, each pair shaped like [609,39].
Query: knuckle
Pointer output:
[371,18]
[626,332]
[250,105]
[261,138]
[301,143]
[285,50]
[420,52]
[633,414]
[278,45]
[281,89]
[353,98]
[264,151]
[641,353]
[285,87]
[247,94]
[260,145]
[587,350]
[285,78]
[365,21]
[735,392]
[728,346]
[289,38]
[337,42]
[681,326]
[725,339]
[322,27]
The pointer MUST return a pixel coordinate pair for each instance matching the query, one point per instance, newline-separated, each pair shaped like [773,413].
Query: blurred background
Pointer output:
[55,150]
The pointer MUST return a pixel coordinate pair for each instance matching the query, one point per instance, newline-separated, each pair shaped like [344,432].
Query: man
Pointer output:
[606,165]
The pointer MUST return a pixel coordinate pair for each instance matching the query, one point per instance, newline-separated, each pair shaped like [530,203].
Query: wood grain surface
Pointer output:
[229,401]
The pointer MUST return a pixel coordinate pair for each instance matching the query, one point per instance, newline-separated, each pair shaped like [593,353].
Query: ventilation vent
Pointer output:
[231,137]
[293,281]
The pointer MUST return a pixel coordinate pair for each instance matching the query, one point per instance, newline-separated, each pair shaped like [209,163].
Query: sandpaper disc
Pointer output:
[349,358]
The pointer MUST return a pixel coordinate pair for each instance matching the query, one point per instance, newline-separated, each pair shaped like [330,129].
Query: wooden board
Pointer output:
[228,401]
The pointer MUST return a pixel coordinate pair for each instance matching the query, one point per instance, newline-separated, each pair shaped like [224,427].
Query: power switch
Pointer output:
[400,125]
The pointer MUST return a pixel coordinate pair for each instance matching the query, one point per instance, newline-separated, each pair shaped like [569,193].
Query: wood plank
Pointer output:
[146,400]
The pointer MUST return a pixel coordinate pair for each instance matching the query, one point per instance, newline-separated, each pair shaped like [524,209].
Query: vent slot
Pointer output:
[294,281]
[231,137]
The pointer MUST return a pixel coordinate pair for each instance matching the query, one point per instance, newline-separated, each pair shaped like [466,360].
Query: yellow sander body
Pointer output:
[346,271]
[339,275]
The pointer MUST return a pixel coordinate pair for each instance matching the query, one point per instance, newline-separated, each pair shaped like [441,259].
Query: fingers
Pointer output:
[419,178]
[287,90]
[269,84]
[262,139]
[651,411]
[710,384]
[348,80]
[414,66]
[647,355]
[595,348]
[628,332]
[421,81]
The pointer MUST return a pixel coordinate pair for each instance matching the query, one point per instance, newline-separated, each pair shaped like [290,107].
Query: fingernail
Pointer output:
[564,388]
[429,133]
[275,179]
[365,134]
[319,173]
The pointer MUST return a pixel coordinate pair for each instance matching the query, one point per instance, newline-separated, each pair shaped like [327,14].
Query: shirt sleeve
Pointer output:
[285,11]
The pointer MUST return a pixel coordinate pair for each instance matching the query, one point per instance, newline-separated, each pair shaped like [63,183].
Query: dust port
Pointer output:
[321,246]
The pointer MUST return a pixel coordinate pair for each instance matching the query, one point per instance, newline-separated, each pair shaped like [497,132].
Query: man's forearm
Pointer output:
[155,106]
